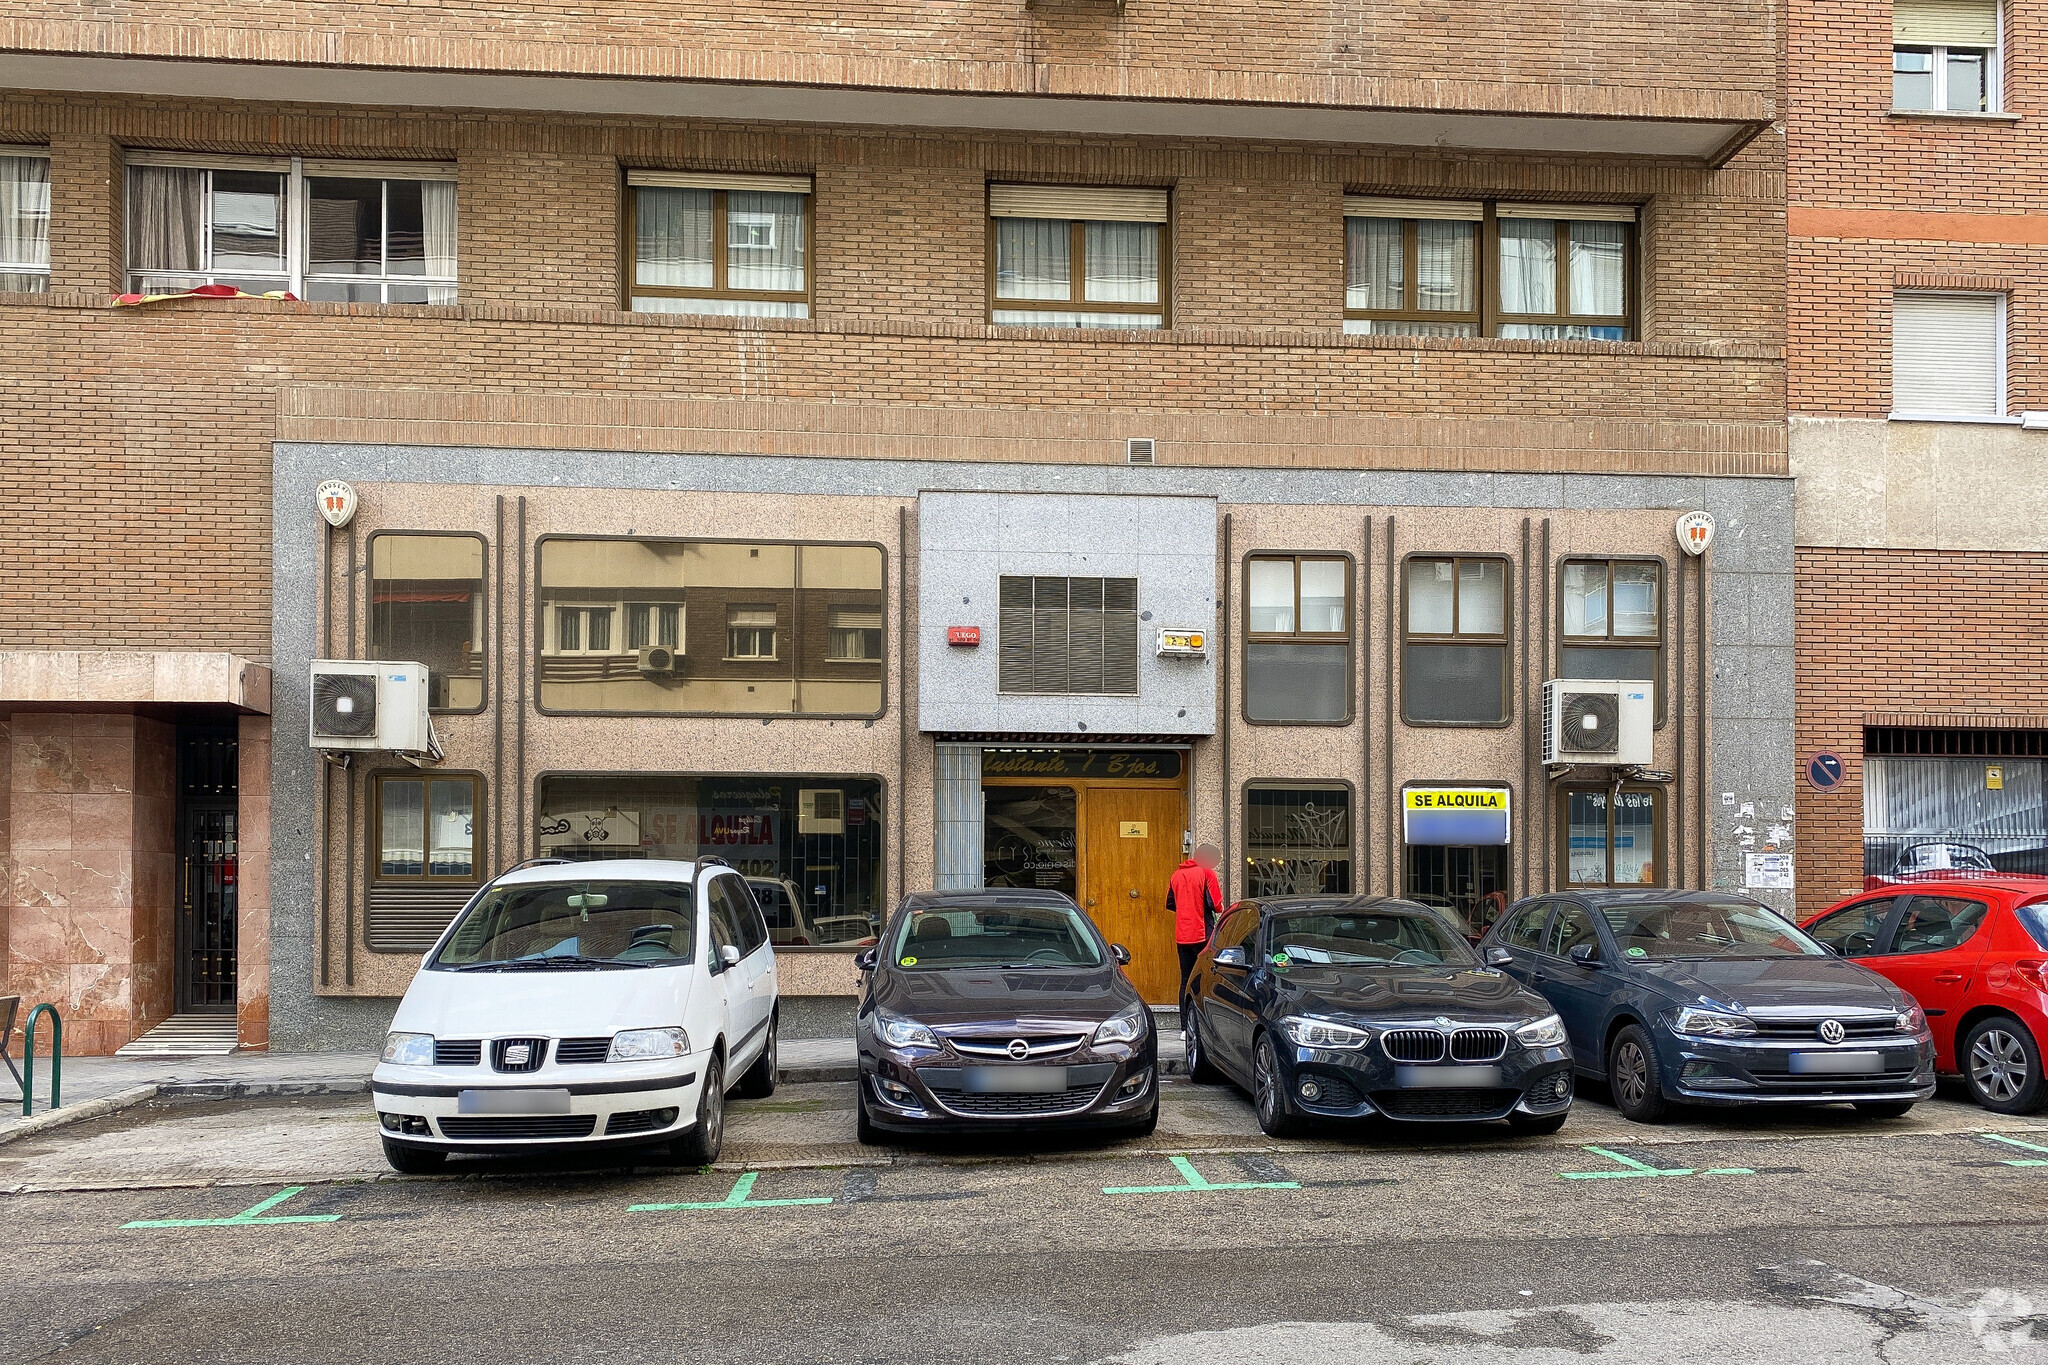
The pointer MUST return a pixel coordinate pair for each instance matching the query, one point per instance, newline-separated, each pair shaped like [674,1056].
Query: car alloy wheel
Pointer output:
[1998,1065]
[1631,1073]
[1276,1117]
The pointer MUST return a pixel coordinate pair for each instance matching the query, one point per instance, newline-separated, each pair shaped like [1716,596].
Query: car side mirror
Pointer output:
[1121,954]
[1498,956]
[1228,957]
[728,956]
[866,961]
[1585,954]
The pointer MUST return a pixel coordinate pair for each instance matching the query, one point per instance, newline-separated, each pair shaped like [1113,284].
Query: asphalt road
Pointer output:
[1840,1240]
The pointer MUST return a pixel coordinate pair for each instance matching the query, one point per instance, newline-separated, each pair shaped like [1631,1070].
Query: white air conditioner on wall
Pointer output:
[1597,720]
[368,706]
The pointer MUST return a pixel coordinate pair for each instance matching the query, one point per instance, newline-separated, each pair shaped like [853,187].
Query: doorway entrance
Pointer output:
[208,787]
[1104,831]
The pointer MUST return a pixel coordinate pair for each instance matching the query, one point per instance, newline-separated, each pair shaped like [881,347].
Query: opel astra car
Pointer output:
[576,1004]
[1001,1008]
[1346,1007]
[1709,997]
[1973,954]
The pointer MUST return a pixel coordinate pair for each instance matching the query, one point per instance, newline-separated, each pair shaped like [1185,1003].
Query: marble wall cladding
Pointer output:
[6,843]
[252,919]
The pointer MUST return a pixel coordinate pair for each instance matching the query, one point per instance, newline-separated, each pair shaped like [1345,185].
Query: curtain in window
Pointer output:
[24,210]
[1596,264]
[1585,599]
[1480,597]
[764,237]
[166,218]
[1122,262]
[1443,266]
[673,232]
[1374,263]
[1528,265]
[1322,596]
[437,201]
[1032,259]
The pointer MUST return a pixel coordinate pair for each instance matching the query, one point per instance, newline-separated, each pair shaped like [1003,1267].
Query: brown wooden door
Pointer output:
[1123,879]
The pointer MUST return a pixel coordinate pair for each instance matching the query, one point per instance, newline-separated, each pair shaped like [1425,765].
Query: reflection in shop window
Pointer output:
[853,633]
[426,828]
[1930,816]
[1028,838]
[810,846]
[1297,839]
[1611,837]
[750,632]
[427,605]
[1468,882]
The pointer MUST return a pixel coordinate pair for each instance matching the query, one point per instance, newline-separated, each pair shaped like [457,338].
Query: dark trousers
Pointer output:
[1188,953]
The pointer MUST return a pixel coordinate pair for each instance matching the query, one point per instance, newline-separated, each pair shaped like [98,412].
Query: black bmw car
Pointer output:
[1345,1007]
[1001,1009]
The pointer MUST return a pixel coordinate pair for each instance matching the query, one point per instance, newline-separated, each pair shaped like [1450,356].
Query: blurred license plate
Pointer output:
[1835,1063]
[1016,1080]
[512,1102]
[1447,1077]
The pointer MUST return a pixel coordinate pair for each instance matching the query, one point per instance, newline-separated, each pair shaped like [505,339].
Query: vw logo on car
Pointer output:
[1831,1031]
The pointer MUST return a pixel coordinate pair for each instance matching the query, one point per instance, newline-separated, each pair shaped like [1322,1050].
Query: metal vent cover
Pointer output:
[1139,450]
[345,705]
[1592,723]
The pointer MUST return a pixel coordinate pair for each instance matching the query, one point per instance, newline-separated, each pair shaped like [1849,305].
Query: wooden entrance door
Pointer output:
[1130,846]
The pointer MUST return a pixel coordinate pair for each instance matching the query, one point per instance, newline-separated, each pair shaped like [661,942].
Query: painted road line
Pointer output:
[2042,1160]
[1638,1170]
[1195,1182]
[248,1217]
[738,1199]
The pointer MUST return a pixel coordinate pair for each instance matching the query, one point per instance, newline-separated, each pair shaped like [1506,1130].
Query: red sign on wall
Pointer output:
[963,635]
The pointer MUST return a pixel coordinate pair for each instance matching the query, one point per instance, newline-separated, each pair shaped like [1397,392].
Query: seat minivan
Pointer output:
[577,1004]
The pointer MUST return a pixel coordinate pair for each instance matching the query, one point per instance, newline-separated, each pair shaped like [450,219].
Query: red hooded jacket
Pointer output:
[1193,895]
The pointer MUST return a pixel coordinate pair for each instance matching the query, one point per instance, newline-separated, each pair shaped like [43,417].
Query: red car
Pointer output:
[1973,951]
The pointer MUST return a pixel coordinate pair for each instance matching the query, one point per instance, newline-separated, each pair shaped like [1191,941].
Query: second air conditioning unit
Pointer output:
[1597,720]
[369,706]
[656,661]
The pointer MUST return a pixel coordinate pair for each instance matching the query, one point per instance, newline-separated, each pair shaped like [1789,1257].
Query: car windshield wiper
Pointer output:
[532,964]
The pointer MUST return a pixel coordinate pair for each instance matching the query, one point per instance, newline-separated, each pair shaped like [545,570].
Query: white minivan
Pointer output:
[574,1004]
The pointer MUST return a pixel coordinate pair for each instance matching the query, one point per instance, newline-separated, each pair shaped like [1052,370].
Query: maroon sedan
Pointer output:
[1973,951]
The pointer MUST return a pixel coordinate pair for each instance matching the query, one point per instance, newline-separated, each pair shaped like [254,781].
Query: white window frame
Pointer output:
[304,172]
[1990,419]
[41,272]
[654,606]
[1994,73]
[583,649]
[774,636]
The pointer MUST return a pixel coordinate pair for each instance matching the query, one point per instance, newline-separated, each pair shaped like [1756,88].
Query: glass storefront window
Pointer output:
[1297,839]
[427,605]
[1470,883]
[710,628]
[1611,838]
[809,845]
[1028,838]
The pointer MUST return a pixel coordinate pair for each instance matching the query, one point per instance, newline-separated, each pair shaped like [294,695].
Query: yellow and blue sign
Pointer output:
[1455,815]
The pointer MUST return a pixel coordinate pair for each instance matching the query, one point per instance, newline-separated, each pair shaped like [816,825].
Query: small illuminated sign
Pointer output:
[967,636]
[1183,644]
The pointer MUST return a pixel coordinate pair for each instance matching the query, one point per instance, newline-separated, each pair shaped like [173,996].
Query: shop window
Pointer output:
[809,845]
[427,605]
[732,245]
[426,828]
[1411,267]
[1071,257]
[793,629]
[1611,838]
[1454,664]
[1297,658]
[1948,355]
[24,221]
[1928,817]
[1613,624]
[1945,56]
[1030,838]
[1067,635]
[1297,839]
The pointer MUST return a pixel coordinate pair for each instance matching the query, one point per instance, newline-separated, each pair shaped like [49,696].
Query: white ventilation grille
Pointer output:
[1138,450]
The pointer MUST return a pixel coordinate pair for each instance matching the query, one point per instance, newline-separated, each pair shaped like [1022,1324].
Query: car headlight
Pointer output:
[1126,1027]
[648,1044]
[1322,1033]
[1709,1024]
[898,1032]
[1545,1032]
[409,1049]
[1912,1020]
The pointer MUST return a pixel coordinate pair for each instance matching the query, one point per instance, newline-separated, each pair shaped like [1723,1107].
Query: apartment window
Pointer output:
[1068,635]
[1297,656]
[1945,56]
[1071,257]
[426,828]
[1297,838]
[1454,664]
[1411,267]
[1948,355]
[1564,272]
[427,604]
[24,222]
[1611,837]
[731,245]
[789,628]
[361,232]
[1612,625]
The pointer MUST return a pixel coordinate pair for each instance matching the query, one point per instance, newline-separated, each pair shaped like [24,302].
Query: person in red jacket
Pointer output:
[1195,898]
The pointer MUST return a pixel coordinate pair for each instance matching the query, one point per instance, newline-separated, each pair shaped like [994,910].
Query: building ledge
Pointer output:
[121,678]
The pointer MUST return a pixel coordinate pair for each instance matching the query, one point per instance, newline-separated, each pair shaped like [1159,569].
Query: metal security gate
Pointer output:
[207,871]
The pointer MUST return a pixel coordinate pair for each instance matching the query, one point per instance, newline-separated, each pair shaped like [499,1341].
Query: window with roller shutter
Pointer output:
[1948,355]
[1068,636]
[1945,56]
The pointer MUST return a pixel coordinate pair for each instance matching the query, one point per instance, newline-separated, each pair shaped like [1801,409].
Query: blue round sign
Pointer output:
[1824,771]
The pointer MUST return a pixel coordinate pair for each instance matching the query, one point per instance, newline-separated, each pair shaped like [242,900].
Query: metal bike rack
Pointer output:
[28,1059]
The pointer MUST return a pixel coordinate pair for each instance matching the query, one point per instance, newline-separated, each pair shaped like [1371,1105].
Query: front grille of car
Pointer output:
[1859,1082]
[998,1044]
[1479,1044]
[1413,1045]
[503,1048]
[579,1051]
[458,1051]
[512,1126]
[1444,1104]
[1551,1089]
[1808,1030]
[1070,1100]
[639,1121]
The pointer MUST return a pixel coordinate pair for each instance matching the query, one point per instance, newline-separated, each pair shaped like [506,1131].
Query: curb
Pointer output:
[199,1090]
[78,1113]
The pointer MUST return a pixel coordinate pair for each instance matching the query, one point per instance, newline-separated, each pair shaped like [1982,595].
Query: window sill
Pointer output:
[1959,418]
[1959,115]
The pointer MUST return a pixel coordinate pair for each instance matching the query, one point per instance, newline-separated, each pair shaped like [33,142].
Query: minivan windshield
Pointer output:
[567,926]
[1705,929]
[1377,940]
[994,936]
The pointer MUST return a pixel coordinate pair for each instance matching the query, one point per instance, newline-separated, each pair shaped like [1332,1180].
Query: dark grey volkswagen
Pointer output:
[990,1009]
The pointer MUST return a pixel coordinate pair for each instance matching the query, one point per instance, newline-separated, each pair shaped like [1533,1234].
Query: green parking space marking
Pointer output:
[1193,1181]
[2041,1160]
[740,1198]
[249,1217]
[1638,1170]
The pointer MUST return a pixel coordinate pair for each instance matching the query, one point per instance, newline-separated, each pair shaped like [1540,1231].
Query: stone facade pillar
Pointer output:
[252,885]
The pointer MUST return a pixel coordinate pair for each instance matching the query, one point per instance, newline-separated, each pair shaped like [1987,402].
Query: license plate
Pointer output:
[1016,1080]
[512,1102]
[1447,1077]
[1836,1063]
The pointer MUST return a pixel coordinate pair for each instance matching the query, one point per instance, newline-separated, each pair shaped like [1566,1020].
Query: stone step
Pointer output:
[186,1035]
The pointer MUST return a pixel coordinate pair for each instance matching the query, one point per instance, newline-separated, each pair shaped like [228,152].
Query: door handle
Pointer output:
[1134,893]
[1947,978]
[1091,900]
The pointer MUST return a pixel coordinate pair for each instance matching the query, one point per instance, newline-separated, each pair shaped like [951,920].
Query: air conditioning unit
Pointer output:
[656,661]
[820,810]
[1597,720]
[371,706]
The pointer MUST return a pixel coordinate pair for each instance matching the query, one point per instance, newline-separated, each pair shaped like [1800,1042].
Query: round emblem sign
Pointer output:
[1696,532]
[1824,771]
[1831,1031]
[1019,1049]
[337,502]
